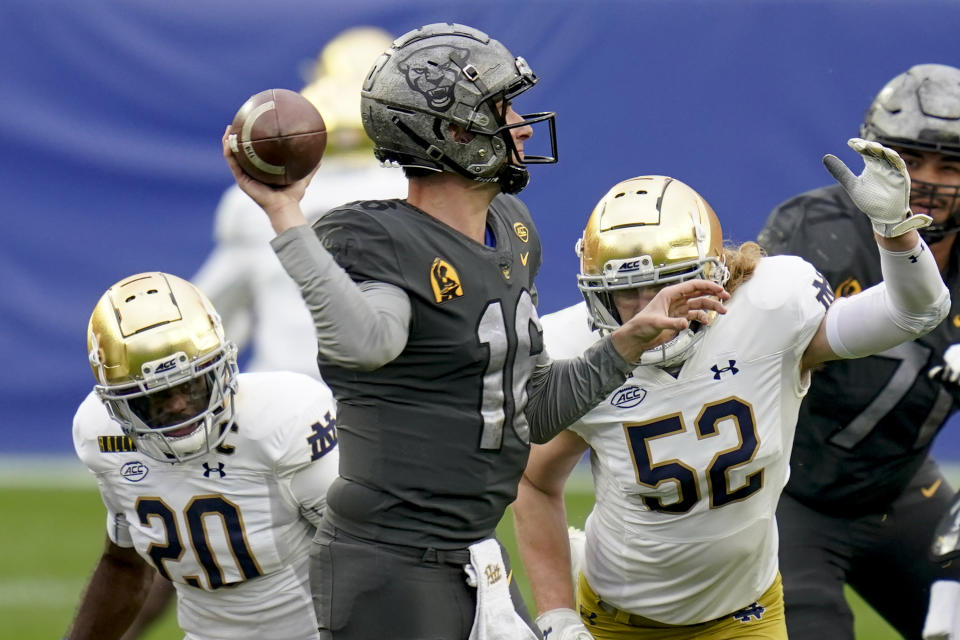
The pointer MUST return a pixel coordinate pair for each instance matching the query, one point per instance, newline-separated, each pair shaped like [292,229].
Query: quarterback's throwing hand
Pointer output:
[882,190]
[950,370]
[562,624]
[281,204]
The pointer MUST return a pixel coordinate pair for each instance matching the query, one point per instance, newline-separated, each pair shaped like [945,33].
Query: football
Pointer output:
[278,136]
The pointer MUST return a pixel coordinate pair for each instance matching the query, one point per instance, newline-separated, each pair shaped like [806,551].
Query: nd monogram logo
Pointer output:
[824,292]
[494,573]
[324,437]
[754,611]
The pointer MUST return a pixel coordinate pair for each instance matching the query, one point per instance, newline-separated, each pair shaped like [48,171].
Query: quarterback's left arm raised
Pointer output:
[114,595]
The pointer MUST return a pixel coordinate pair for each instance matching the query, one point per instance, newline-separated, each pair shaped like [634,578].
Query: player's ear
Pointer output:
[458,133]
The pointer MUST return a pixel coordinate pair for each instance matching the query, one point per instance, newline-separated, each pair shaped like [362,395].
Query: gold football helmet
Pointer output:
[648,231]
[163,367]
[336,78]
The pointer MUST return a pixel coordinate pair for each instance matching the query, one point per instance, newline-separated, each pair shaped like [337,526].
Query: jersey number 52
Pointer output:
[652,474]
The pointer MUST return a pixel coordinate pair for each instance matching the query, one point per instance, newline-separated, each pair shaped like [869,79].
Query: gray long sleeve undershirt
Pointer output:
[359,326]
[366,326]
[561,391]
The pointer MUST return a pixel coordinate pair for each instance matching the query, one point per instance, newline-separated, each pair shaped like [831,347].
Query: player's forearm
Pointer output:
[906,242]
[911,301]
[112,599]
[540,521]
[561,391]
[913,278]
[285,217]
[358,326]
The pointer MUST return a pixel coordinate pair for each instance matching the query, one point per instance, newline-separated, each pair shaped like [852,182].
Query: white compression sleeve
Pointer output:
[910,302]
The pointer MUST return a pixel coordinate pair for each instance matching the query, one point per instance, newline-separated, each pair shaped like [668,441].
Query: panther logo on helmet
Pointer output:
[434,80]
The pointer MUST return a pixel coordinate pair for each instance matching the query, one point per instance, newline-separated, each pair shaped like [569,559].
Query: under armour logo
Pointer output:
[323,438]
[913,259]
[754,611]
[207,470]
[824,292]
[731,368]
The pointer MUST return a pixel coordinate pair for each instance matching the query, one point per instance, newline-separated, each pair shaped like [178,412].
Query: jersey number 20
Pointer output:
[200,508]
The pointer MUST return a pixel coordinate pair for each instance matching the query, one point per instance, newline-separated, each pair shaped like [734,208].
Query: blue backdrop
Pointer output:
[111,113]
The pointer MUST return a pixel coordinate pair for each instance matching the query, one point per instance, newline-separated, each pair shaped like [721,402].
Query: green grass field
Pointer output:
[53,531]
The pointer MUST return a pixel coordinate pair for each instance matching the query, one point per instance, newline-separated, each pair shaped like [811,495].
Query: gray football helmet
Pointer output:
[920,110]
[443,74]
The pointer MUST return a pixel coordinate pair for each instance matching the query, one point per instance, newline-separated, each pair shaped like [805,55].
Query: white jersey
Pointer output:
[232,529]
[566,333]
[688,470]
[259,303]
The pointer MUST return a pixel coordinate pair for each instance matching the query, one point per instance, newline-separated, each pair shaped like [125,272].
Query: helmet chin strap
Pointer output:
[512,178]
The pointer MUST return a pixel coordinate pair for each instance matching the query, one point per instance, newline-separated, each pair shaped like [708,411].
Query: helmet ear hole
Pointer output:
[458,134]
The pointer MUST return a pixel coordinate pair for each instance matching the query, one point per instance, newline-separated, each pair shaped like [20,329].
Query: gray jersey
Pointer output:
[434,442]
[867,424]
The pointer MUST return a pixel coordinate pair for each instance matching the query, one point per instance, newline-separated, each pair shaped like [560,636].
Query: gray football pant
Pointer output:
[365,590]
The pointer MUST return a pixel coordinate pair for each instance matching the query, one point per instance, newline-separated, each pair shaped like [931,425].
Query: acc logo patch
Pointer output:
[521,230]
[627,397]
[629,266]
[848,287]
[134,471]
[444,280]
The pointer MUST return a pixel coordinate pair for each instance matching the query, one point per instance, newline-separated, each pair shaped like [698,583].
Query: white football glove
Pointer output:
[882,191]
[942,618]
[562,624]
[950,371]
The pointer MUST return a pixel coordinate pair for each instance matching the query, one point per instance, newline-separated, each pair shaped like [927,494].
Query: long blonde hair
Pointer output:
[741,261]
